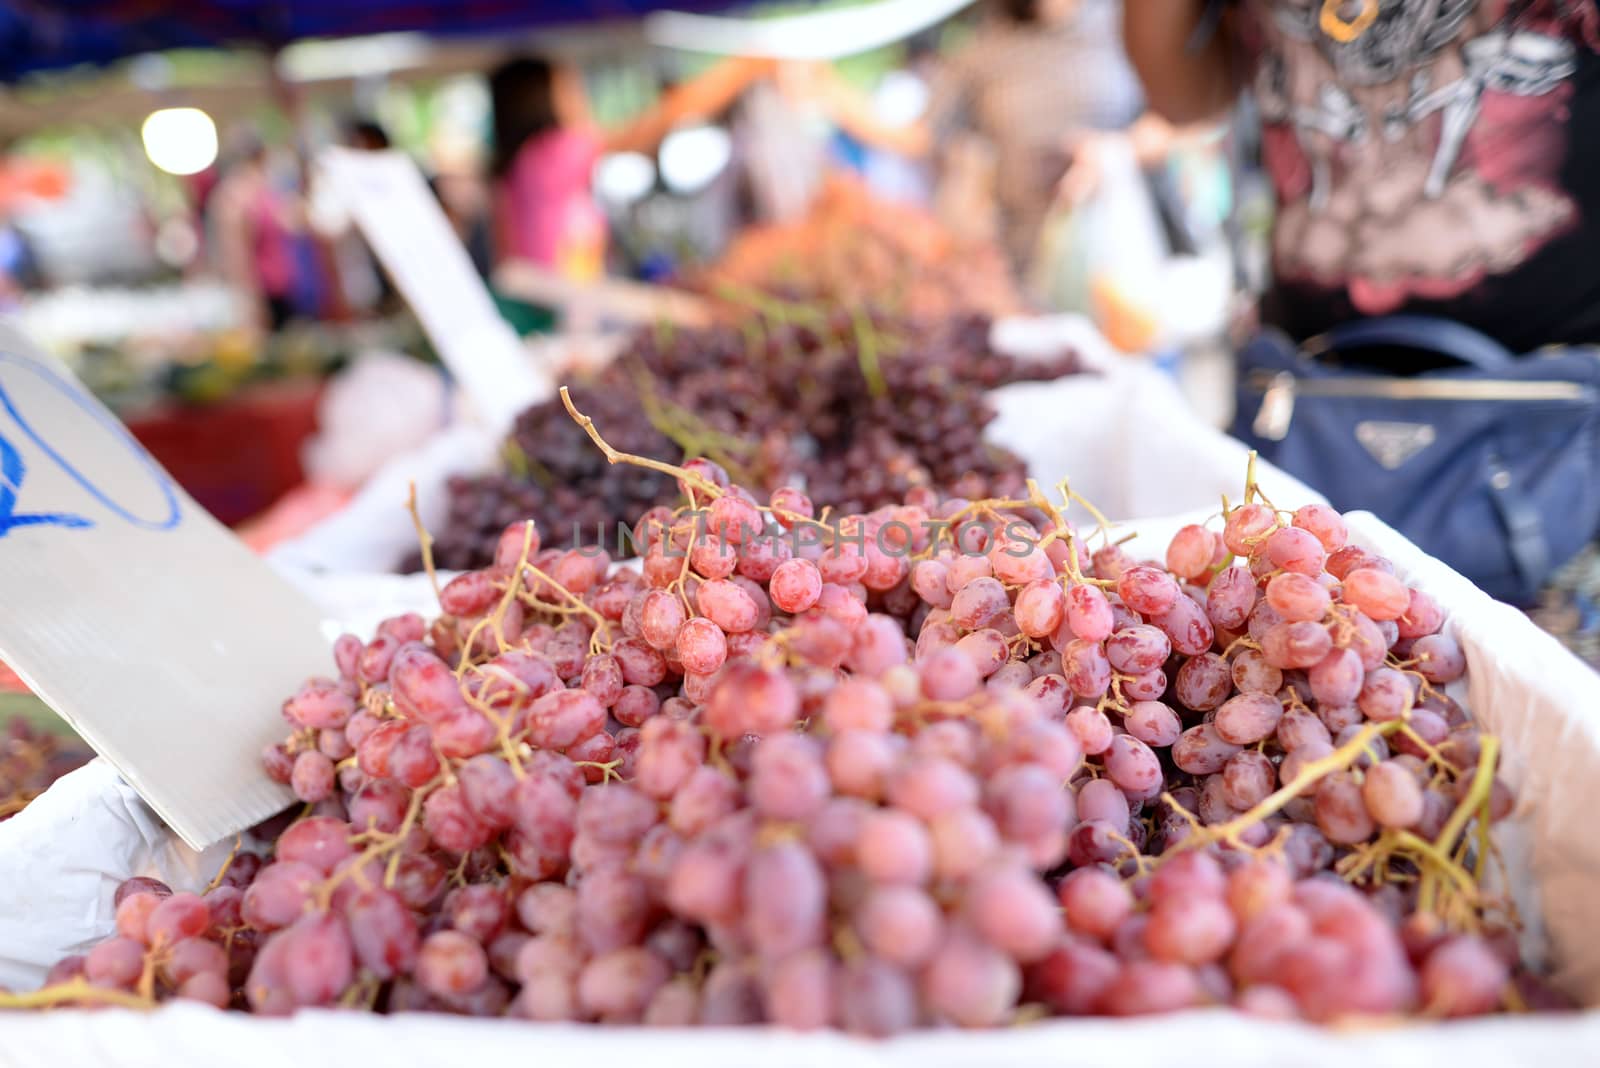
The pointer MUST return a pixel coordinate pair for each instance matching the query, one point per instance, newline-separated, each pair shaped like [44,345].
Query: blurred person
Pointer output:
[17,268]
[780,137]
[1037,79]
[360,284]
[457,180]
[872,134]
[365,135]
[252,225]
[1432,168]
[1427,158]
[19,264]
[546,145]
[366,284]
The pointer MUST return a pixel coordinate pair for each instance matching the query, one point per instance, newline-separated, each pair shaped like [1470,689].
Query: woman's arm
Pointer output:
[1151,138]
[852,111]
[1181,86]
[699,97]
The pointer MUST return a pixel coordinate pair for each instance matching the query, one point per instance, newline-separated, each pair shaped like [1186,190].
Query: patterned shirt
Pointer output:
[1433,157]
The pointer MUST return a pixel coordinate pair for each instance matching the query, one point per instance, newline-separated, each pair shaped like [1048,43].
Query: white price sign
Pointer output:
[165,643]
[402,221]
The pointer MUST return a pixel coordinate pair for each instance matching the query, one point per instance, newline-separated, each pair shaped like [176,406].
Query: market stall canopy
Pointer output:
[825,34]
[36,35]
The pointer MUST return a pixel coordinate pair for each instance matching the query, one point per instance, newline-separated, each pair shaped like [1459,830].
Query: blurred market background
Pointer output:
[162,227]
[166,231]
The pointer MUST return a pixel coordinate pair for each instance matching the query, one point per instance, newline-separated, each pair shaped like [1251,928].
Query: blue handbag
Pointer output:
[1490,463]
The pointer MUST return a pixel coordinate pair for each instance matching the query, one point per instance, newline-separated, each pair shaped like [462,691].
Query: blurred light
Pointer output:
[623,178]
[180,140]
[353,57]
[901,98]
[692,158]
[463,104]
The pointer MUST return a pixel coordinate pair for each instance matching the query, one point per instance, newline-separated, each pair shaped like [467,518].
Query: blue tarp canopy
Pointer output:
[38,35]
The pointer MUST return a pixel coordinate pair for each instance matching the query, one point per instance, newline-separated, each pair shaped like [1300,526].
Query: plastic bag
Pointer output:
[381,406]
[1107,258]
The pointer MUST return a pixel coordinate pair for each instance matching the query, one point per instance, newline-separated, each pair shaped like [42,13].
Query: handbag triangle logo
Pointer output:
[1392,444]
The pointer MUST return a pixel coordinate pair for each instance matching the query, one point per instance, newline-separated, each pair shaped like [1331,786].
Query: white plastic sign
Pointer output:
[402,221]
[149,627]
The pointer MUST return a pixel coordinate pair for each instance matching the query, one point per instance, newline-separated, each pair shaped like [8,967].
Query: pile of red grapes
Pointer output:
[855,409]
[933,764]
[32,759]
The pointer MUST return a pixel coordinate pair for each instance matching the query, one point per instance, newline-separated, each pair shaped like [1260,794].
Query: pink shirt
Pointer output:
[545,200]
[274,260]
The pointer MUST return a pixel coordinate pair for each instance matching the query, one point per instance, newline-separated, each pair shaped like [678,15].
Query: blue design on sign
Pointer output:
[12,467]
[11,471]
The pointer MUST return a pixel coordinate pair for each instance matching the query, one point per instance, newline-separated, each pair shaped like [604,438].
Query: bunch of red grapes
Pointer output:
[30,760]
[857,410]
[934,764]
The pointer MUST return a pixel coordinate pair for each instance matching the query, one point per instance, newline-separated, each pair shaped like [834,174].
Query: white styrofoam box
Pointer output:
[1124,436]
[1127,442]
[1543,703]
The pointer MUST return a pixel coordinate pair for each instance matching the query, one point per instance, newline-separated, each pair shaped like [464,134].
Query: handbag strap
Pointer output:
[1530,551]
[1426,333]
